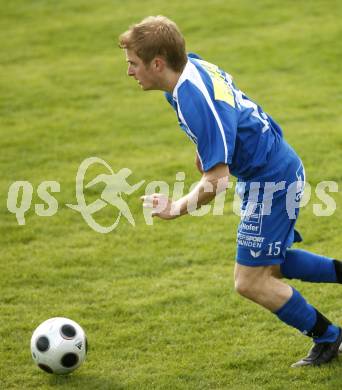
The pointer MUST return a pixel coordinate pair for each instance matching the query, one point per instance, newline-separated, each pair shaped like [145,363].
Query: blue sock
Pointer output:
[298,313]
[309,267]
[329,336]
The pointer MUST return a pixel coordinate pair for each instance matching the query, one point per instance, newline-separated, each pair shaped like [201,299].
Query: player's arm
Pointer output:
[212,182]
[212,153]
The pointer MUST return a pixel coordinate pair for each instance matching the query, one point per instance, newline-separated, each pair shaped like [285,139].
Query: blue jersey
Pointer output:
[226,126]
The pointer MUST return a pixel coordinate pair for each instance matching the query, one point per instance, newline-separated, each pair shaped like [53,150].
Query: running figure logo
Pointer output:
[115,185]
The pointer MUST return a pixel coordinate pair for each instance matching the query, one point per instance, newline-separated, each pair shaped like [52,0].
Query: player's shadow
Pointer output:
[84,381]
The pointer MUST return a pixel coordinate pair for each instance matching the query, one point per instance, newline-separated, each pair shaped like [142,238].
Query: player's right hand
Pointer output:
[160,205]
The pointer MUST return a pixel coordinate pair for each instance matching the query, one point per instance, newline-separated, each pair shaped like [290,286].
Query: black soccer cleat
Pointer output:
[321,353]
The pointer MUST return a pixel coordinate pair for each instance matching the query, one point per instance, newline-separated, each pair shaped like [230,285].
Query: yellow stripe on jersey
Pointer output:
[222,90]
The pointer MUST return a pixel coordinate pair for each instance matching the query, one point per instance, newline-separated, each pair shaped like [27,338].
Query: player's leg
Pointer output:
[265,232]
[261,285]
[309,267]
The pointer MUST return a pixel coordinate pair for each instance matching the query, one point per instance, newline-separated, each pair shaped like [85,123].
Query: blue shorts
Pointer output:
[269,210]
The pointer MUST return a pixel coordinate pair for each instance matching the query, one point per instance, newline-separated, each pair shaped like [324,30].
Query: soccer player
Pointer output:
[233,135]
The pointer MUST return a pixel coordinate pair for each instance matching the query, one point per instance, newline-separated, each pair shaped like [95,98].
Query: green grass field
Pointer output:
[157,302]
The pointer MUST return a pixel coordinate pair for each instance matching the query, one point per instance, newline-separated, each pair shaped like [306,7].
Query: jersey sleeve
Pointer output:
[213,124]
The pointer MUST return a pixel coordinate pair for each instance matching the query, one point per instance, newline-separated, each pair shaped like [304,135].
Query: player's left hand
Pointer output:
[160,205]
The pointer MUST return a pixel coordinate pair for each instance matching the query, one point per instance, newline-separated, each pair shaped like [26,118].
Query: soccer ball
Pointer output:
[59,345]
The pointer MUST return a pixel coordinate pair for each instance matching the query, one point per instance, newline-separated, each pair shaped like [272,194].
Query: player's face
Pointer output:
[144,74]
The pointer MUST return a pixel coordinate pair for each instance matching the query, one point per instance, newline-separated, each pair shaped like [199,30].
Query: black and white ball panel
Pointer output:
[68,331]
[42,344]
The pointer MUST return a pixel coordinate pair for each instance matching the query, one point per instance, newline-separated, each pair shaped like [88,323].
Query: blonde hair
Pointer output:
[156,36]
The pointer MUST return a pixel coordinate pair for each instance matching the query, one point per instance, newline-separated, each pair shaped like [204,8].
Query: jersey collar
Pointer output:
[184,76]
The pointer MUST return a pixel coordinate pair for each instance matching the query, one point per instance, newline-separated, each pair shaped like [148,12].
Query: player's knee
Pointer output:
[244,287]
[253,282]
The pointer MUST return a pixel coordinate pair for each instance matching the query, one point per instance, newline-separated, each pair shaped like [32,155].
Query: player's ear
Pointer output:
[159,64]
